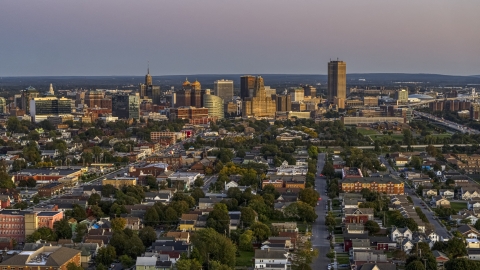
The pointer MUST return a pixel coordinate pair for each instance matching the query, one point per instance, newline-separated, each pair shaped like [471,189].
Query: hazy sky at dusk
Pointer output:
[116,37]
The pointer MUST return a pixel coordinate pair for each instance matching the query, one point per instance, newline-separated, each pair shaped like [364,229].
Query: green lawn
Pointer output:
[365,131]
[397,137]
[338,239]
[443,135]
[457,206]
[343,260]
[245,258]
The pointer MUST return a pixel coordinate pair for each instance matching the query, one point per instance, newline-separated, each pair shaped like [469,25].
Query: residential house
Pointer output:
[441,258]
[440,201]
[180,236]
[188,222]
[146,263]
[400,234]
[205,203]
[401,161]
[447,193]
[429,193]
[473,243]
[358,215]
[377,266]
[353,228]
[366,256]
[271,259]
[382,243]
[406,245]
[348,239]
[468,231]
[360,245]
[474,254]
[473,204]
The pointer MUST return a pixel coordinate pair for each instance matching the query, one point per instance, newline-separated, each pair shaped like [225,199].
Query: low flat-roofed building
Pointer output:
[120,182]
[51,189]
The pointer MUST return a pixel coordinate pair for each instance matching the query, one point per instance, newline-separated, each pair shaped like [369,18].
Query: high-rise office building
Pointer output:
[3,105]
[337,80]
[247,83]
[190,95]
[41,108]
[27,95]
[284,103]
[126,106]
[310,91]
[402,96]
[224,90]
[150,91]
[93,99]
[259,105]
[297,94]
[214,105]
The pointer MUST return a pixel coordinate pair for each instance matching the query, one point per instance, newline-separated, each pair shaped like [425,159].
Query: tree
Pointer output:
[79,213]
[328,170]
[108,190]
[197,193]
[456,248]
[245,241]
[80,231]
[73,266]
[309,196]
[94,199]
[43,233]
[187,264]
[198,182]
[213,246]
[372,227]
[219,219]
[147,235]
[118,224]
[477,224]
[126,261]
[248,216]
[31,183]
[106,255]
[260,231]
[431,150]
[62,229]
[127,242]
[304,256]
[399,254]
[461,263]
[151,217]
[415,265]
[151,182]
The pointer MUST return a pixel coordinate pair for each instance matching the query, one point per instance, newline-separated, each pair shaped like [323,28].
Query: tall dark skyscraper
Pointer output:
[247,83]
[126,106]
[337,80]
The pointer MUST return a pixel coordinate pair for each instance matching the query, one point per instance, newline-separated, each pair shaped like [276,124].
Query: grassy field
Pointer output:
[444,135]
[397,137]
[245,258]
[365,131]
[457,206]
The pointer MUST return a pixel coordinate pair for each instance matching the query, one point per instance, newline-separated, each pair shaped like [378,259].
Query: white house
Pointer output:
[267,259]
[231,184]
[447,193]
[399,234]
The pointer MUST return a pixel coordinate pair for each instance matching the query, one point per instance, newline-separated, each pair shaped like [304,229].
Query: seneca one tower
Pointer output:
[337,80]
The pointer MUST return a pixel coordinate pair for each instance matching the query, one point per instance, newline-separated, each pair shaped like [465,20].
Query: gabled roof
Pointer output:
[270,254]
[466,229]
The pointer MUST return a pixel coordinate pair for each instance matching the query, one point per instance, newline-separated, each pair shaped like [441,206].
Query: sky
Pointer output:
[119,37]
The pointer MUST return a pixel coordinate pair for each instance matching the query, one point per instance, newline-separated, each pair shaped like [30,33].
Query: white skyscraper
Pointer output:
[50,90]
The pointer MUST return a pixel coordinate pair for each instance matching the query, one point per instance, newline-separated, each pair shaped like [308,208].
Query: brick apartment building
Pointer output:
[385,184]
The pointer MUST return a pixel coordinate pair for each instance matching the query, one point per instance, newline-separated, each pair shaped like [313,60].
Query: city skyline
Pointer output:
[88,38]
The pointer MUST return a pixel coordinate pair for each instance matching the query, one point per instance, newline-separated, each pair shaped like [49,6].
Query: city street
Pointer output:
[439,229]
[319,230]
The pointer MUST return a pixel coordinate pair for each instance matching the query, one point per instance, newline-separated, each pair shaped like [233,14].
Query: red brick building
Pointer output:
[49,190]
[358,215]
